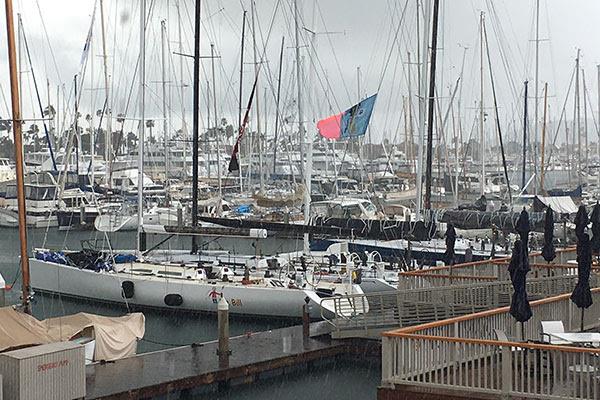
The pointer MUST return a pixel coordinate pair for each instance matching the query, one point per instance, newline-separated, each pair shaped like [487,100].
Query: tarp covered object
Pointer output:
[116,337]
[560,204]
[18,329]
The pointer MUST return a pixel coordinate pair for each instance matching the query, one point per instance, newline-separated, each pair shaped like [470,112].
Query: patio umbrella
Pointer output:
[595,219]
[581,221]
[518,268]
[523,228]
[450,242]
[548,252]
[582,295]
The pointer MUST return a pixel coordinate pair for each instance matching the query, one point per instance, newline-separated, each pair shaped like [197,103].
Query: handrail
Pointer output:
[474,277]
[412,329]
[501,343]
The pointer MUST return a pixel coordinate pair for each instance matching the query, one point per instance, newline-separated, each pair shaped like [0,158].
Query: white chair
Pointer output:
[502,337]
[550,327]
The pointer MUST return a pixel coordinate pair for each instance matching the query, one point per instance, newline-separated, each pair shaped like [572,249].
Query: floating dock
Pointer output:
[194,369]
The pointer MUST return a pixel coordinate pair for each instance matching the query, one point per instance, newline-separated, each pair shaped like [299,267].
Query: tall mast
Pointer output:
[163,30]
[542,167]
[301,131]
[241,88]
[195,122]
[481,113]
[422,105]
[18,139]
[585,121]
[427,202]
[458,117]
[598,127]
[108,137]
[142,127]
[256,101]
[578,119]
[410,149]
[277,105]
[184,132]
[524,139]
[214,87]
[537,92]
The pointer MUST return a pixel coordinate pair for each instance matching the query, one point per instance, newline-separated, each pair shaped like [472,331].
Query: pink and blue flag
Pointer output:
[349,124]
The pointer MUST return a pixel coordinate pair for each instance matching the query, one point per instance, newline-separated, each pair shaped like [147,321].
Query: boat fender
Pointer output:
[173,300]
[127,289]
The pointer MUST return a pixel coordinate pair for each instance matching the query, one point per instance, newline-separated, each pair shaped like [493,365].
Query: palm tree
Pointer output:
[150,125]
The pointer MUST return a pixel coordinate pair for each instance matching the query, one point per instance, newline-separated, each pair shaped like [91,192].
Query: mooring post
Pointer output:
[179,217]
[2,290]
[306,318]
[223,321]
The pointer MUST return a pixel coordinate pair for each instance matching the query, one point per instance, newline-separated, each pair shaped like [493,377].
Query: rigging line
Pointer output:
[47,37]
[319,79]
[560,120]
[505,55]
[385,65]
[335,57]
[498,127]
[48,141]
[589,100]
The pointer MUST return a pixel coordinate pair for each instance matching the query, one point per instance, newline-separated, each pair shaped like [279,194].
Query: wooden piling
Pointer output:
[223,322]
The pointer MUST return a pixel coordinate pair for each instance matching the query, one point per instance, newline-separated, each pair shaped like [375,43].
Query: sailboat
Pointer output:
[135,279]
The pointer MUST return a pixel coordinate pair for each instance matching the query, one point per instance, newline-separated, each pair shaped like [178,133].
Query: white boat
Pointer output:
[7,170]
[114,217]
[182,288]
[41,206]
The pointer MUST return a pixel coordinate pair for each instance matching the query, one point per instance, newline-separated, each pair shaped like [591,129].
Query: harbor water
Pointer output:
[344,379]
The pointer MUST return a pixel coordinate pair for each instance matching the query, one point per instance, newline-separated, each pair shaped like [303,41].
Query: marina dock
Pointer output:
[194,369]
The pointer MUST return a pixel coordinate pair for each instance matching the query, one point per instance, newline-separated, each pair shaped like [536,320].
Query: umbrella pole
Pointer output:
[523,331]
[582,312]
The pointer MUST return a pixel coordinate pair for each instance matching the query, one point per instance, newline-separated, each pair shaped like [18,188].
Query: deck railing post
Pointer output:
[506,371]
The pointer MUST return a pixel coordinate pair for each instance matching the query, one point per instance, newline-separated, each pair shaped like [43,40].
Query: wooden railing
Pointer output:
[417,306]
[462,353]
[486,271]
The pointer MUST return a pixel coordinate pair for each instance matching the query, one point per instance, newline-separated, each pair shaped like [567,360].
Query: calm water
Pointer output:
[343,380]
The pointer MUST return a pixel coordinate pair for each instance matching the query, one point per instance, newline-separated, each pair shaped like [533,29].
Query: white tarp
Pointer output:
[559,204]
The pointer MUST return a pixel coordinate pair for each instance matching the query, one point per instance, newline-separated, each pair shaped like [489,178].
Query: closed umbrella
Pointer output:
[595,219]
[450,242]
[523,228]
[582,295]
[518,269]
[548,252]
[581,221]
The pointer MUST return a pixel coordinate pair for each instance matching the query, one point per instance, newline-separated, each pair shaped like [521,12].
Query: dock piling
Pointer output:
[223,322]
[2,291]
[306,319]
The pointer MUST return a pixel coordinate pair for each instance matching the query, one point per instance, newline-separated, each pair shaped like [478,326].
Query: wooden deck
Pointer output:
[185,369]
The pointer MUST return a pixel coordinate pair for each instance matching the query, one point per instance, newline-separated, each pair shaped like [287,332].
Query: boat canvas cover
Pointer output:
[116,337]
[559,204]
[18,330]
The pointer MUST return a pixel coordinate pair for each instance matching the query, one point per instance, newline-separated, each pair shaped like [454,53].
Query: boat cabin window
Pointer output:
[369,207]
[170,273]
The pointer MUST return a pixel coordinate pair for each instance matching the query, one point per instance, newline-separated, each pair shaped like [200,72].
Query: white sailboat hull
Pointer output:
[10,219]
[151,292]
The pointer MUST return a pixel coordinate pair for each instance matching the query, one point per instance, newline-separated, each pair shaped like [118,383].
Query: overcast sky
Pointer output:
[361,34]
